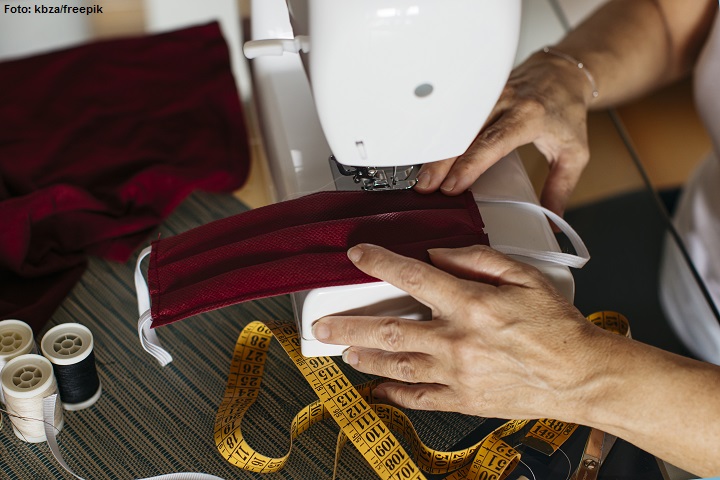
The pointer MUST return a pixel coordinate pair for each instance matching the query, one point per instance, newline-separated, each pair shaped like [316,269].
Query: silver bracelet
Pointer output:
[577,63]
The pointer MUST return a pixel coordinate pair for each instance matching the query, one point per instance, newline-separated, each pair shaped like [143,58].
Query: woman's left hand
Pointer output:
[502,342]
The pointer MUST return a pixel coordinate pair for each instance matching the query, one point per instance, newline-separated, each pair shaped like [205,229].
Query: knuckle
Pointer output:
[531,107]
[420,399]
[509,90]
[404,368]
[424,401]
[522,270]
[582,154]
[412,274]
[389,334]
[372,259]
[337,329]
[491,137]
[470,162]
[535,278]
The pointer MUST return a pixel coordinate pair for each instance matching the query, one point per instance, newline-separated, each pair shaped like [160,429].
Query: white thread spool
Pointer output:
[16,338]
[69,346]
[26,380]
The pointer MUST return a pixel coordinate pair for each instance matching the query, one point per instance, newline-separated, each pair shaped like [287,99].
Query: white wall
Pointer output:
[576,10]
[31,33]
[163,15]
[541,25]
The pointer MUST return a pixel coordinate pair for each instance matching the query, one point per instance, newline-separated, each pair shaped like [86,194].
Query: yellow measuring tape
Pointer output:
[367,425]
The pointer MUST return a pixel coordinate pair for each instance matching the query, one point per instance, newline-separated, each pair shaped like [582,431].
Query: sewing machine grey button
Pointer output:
[423,90]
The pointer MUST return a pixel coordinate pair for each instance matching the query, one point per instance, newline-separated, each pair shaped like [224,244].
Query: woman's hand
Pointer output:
[502,342]
[545,102]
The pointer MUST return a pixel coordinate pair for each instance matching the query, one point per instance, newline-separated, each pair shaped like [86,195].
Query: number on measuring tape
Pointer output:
[368,426]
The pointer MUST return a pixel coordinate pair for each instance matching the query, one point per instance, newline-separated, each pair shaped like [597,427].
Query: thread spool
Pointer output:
[16,338]
[69,347]
[26,380]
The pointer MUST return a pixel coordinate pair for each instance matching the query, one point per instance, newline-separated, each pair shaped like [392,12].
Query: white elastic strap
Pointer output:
[49,419]
[567,259]
[143,293]
[148,338]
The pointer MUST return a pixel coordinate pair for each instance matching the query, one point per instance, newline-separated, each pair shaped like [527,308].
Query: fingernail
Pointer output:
[350,357]
[437,251]
[448,185]
[423,180]
[379,394]
[355,254]
[320,331]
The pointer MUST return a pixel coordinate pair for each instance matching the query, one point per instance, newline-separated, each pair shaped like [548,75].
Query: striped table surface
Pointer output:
[153,420]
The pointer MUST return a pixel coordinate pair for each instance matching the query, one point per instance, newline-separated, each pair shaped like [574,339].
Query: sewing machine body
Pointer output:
[298,150]
[385,75]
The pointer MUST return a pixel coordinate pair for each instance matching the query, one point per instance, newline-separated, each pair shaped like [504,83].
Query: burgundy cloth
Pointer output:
[98,144]
[299,245]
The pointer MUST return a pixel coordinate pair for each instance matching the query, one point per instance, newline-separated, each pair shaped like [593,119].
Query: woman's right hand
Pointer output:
[545,102]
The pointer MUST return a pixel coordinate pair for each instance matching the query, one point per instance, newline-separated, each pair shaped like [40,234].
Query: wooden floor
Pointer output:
[664,130]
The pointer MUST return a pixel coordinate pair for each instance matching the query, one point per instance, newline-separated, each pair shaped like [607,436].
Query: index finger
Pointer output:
[495,141]
[424,282]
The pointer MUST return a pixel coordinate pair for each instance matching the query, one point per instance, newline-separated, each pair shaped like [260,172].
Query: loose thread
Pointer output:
[12,415]
[26,380]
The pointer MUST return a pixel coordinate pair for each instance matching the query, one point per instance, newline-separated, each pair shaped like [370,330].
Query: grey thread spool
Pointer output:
[16,338]
[26,380]
[69,347]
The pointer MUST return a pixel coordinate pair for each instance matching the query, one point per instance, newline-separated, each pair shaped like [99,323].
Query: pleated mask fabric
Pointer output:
[299,245]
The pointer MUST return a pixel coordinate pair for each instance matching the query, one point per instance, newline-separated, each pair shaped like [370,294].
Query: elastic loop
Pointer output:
[567,259]
[150,341]
[148,338]
[141,287]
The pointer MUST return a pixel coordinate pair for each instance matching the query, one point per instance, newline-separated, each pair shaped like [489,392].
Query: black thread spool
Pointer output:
[69,347]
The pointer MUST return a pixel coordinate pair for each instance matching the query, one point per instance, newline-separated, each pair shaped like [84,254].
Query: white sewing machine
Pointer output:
[394,84]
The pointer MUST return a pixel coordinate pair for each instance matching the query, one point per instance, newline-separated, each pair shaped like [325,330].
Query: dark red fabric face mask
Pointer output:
[297,245]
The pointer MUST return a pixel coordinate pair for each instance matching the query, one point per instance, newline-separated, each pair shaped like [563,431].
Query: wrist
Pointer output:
[577,63]
[620,373]
[578,82]
[598,377]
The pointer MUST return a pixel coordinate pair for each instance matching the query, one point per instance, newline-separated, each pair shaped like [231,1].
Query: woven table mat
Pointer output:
[152,420]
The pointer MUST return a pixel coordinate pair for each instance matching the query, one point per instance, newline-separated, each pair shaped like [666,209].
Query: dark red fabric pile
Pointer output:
[98,144]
